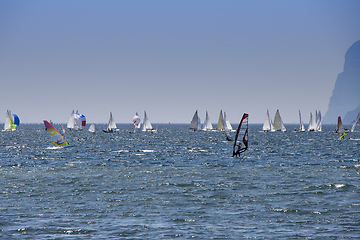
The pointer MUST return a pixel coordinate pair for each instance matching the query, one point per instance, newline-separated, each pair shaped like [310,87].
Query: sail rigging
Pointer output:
[301,127]
[241,145]
[55,137]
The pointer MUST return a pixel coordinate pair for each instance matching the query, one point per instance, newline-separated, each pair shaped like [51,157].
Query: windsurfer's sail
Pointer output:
[92,128]
[55,137]
[241,145]
[195,122]
[340,129]
[9,123]
[278,123]
[220,124]
[355,122]
[136,121]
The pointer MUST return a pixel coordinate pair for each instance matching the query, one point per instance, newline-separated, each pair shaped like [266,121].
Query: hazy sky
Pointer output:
[171,58]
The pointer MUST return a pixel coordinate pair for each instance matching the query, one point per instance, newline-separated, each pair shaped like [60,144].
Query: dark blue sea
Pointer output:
[179,184]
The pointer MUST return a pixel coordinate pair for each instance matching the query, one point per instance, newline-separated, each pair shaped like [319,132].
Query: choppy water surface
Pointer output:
[178,184]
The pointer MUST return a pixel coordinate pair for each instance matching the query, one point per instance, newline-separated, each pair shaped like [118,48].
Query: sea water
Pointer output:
[179,184]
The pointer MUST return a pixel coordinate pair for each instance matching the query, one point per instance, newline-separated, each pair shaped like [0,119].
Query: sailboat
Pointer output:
[278,123]
[340,129]
[227,124]
[136,121]
[207,124]
[92,128]
[220,124]
[111,125]
[147,125]
[9,122]
[301,128]
[55,137]
[355,122]
[267,126]
[241,146]
[195,122]
[76,121]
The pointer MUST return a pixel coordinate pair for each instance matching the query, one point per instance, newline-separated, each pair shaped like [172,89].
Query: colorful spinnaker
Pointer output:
[55,137]
[9,123]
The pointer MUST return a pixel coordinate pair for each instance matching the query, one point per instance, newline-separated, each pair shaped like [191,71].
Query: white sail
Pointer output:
[302,127]
[278,123]
[92,128]
[220,124]
[227,124]
[318,122]
[9,123]
[355,122]
[136,121]
[207,124]
[146,123]
[71,122]
[267,127]
[312,123]
[112,124]
[195,122]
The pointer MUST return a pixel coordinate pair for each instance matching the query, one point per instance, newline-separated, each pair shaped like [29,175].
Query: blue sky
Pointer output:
[171,58]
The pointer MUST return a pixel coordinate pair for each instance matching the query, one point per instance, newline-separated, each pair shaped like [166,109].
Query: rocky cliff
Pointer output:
[345,100]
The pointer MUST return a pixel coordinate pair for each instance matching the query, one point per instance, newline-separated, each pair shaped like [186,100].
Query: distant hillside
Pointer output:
[345,100]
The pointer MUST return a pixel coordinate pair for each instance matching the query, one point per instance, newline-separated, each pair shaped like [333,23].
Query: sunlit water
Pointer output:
[179,184]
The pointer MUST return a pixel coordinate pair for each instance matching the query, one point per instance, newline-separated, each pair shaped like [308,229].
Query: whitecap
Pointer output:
[147,150]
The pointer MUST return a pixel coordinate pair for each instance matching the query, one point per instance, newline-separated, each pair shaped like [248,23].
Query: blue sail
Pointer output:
[16,120]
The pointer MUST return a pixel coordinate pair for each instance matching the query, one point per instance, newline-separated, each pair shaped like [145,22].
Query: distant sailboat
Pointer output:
[227,124]
[278,123]
[9,123]
[76,121]
[195,122]
[340,129]
[136,121]
[55,137]
[301,127]
[266,126]
[241,145]
[111,125]
[92,128]
[146,124]
[207,124]
[220,124]
[355,122]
